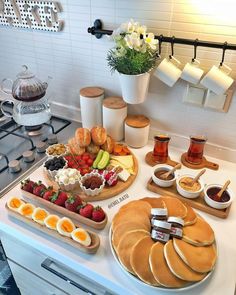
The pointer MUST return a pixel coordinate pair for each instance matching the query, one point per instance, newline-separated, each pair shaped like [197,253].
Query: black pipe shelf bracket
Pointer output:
[98,32]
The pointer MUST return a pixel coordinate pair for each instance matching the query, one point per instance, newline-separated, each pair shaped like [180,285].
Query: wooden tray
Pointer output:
[75,216]
[151,161]
[107,192]
[197,203]
[95,241]
[204,164]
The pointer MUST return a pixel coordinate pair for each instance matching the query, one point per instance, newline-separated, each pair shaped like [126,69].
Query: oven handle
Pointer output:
[46,264]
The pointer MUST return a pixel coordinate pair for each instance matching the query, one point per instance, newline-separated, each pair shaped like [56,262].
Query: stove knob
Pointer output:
[28,156]
[52,139]
[41,146]
[14,166]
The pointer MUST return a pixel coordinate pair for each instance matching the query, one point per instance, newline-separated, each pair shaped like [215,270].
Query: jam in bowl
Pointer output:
[158,171]
[210,196]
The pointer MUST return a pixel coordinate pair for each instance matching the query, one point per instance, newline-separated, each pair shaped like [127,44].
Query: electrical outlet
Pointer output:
[195,94]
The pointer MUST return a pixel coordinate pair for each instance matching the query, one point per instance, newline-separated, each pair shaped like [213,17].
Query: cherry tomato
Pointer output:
[90,162]
[85,157]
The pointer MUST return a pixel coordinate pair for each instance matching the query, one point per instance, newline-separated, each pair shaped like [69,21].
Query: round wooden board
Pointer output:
[108,192]
[204,164]
[151,161]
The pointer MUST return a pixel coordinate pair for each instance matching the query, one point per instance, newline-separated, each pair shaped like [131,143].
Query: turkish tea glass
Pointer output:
[160,151]
[196,148]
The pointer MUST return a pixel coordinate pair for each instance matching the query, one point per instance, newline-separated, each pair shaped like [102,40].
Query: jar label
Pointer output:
[175,231]
[160,236]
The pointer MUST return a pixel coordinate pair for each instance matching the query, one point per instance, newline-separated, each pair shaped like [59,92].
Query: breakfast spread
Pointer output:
[186,183]
[58,149]
[161,255]
[213,191]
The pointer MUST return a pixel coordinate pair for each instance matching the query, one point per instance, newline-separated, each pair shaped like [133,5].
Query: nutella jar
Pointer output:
[161,231]
[158,214]
[177,224]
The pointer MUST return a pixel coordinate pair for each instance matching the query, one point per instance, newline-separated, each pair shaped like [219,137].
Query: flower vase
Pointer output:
[134,87]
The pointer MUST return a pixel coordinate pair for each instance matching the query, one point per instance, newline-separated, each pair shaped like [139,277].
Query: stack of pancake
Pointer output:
[177,263]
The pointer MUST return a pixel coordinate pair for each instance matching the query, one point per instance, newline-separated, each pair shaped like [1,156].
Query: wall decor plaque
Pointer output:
[38,15]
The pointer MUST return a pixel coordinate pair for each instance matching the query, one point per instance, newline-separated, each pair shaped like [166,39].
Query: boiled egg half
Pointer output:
[65,226]
[51,221]
[14,203]
[26,210]
[81,236]
[39,215]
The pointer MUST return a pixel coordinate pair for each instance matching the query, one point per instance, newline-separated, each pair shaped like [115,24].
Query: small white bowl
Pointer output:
[53,173]
[185,193]
[215,204]
[162,182]
[61,155]
[89,191]
[72,184]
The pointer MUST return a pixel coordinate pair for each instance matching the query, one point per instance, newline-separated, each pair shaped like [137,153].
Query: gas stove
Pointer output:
[22,149]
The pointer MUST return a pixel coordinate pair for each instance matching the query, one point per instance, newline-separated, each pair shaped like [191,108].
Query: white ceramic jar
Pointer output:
[136,130]
[114,114]
[91,106]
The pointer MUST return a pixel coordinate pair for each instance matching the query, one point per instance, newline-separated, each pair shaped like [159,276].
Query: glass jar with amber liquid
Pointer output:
[160,151]
[196,148]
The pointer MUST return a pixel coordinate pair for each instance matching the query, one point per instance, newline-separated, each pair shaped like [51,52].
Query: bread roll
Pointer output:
[74,148]
[108,145]
[83,137]
[93,148]
[99,135]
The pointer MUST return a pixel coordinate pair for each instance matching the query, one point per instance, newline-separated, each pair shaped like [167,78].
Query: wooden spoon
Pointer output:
[217,197]
[166,174]
[195,179]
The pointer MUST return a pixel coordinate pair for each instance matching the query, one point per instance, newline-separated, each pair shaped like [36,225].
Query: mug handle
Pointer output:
[195,62]
[6,113]
[175,60]
[228,69]
[5,90]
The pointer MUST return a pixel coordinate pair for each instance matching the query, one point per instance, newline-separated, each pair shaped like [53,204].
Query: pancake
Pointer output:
[139,260]
[137,214]
[199,234]
[160,269]
[200,259]
[177,265]
[126,245]
[175,207]
[137,204]
[155,202]
[191,216]
[122,229]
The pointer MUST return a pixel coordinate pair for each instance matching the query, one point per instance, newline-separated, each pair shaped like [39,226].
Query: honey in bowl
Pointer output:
[212,193]
[159,174]
[186,184]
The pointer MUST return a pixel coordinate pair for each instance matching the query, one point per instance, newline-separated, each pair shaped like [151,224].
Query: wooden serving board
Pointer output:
[198,203]
[95,240]
[75,216]
[204,164]
[150,160]
[107,192]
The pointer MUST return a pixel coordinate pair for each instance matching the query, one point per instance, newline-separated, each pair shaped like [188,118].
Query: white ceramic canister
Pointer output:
[136,130]
[114,114]
[91,106]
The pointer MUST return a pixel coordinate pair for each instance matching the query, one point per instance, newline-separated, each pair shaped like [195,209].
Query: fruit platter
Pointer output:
[91,164]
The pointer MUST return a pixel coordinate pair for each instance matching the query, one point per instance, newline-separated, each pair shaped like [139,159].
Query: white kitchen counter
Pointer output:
[103,268]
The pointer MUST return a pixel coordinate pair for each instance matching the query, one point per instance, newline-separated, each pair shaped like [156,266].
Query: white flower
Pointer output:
[129,27]
[133,41]
[141,30]
[149,40]
[119,52]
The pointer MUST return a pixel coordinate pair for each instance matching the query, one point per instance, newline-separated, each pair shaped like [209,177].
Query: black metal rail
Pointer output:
[98,32]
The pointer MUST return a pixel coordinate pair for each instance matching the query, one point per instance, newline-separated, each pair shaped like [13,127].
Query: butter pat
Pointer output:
[124,175]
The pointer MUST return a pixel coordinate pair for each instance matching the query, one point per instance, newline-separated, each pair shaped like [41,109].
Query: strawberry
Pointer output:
[72,203]
[27,185]
[59,198]
[48,194]
[98,214]
[86,210]
[39,189]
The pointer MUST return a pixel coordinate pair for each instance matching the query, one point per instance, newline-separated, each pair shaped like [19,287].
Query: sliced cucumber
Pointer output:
[98,159]
[104,160]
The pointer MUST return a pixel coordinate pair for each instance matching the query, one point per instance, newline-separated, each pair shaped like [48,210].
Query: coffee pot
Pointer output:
[30,104]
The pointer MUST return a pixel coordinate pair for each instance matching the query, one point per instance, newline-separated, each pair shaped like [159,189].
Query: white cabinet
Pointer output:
[46,269]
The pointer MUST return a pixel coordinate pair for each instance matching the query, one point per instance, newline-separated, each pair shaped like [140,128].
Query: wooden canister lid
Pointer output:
[114,102]
[137,121]
[91,91]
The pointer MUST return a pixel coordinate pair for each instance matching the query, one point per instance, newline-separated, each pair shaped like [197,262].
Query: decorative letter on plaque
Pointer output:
[38,15]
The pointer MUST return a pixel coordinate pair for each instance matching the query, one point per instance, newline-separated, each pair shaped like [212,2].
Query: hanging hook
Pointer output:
[195,50]
[172,47]
[223,55]
[160,42]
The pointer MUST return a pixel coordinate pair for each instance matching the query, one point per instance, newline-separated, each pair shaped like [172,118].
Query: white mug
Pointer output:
[192,73]
[168,71]
[217,79]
